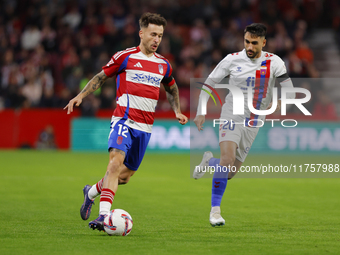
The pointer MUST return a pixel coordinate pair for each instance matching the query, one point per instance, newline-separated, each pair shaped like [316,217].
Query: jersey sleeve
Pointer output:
[221,71]
[279,67]
[116,64]
[168,79]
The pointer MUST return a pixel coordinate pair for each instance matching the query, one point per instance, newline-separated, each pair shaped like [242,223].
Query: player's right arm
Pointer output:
[95,83]
[109,70]
[220,71]
[199,121]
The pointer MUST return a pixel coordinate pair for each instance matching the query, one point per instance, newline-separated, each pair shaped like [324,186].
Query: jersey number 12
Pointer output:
[122,130]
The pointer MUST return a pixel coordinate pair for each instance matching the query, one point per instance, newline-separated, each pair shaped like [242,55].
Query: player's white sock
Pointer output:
[93,193]
[104,207]
[96,189]
[106,199]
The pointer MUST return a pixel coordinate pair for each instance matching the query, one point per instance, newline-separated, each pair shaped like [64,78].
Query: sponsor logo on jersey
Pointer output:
[160,68]
[146,78]
[250,81]
[238,69]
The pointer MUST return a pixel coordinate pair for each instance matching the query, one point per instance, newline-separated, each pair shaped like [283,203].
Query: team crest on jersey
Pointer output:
[119,140]
[160,69]
[263,70]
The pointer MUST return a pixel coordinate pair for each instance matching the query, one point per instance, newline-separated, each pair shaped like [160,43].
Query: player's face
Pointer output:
[151,37]
[253,45]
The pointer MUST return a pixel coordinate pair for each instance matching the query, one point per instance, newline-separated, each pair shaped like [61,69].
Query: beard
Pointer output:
[253,54]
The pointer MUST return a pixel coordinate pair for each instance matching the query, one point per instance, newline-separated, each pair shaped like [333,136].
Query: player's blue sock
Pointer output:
[219,182]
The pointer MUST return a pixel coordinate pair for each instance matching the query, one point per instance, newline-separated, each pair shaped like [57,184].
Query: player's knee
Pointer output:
[122,181]
[125,176]
[227,161]
[113,167]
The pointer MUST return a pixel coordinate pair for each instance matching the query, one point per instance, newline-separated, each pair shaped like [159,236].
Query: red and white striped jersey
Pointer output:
[138,83]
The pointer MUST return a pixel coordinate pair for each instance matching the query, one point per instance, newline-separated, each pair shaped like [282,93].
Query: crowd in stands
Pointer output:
[50,49]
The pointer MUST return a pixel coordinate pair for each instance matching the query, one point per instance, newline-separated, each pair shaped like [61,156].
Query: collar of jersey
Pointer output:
[253,60]
[153,55]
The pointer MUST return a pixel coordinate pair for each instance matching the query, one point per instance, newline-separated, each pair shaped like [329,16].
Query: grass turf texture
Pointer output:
[41,193]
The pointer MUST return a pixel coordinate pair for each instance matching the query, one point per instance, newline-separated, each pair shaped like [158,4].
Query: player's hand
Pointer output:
[77,100]
[199,121]
[278,108]
[181,118]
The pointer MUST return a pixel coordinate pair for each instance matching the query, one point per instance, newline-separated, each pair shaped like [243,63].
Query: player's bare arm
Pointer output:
[199,121]
[95,83]
[172,95]
[278,107]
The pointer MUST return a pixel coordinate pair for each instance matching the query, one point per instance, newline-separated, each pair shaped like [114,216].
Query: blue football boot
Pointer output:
[85,209]
[98,223]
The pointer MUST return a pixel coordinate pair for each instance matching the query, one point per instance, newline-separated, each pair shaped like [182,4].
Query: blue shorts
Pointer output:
[133,142]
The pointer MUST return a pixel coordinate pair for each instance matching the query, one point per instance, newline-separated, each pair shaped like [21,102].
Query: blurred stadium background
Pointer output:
[50,50]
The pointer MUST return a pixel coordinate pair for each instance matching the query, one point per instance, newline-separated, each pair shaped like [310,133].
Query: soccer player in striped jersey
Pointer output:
[250,67]
[139,73]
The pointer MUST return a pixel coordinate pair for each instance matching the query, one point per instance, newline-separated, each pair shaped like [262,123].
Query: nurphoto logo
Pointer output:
[238,103]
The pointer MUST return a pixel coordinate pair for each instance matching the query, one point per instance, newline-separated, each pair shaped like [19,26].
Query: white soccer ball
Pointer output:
[118,223]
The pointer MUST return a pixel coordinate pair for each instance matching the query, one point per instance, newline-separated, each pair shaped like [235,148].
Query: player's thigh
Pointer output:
[120,137]
[229,138]
[228,153]
[247,139]
[137,150]
[116,160]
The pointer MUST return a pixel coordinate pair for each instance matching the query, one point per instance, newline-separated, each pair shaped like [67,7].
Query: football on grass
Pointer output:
[118,223]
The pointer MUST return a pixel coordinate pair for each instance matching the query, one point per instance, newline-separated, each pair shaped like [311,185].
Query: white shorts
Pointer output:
[242,136]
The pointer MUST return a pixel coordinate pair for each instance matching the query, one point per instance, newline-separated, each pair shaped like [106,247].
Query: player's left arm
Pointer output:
[283,78]
[172,95]
[286,82]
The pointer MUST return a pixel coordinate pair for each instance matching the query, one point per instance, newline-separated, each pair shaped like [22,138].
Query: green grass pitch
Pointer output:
[41,193]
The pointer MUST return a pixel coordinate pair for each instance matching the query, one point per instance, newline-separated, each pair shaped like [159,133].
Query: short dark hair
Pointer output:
[256,30]
[152,18]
